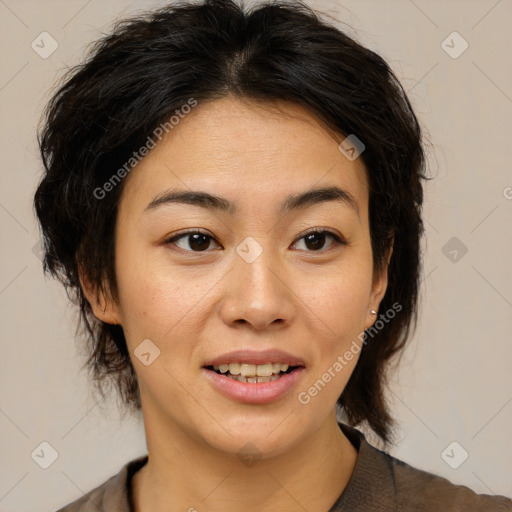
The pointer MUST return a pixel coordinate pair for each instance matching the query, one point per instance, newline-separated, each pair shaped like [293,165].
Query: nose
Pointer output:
[257,294]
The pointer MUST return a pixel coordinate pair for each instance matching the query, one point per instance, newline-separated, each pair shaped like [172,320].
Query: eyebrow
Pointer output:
[291,203]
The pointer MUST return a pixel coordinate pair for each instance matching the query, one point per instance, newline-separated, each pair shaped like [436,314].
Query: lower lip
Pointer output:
[254,393]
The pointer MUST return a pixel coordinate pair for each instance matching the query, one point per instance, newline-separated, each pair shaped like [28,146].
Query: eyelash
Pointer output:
[337,239]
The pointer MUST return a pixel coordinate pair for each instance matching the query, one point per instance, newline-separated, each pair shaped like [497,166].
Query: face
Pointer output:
[279,280]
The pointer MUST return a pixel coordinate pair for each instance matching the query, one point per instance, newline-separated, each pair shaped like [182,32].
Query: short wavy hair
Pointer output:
[150,65]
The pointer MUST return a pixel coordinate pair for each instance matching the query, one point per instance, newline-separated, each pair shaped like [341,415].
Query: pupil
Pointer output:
[200,241]
[318,244]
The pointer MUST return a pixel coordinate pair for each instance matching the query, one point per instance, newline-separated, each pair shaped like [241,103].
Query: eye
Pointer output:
[197,241]
[315,239]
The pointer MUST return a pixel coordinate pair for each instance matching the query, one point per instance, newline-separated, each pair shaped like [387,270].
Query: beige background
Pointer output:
[454,383]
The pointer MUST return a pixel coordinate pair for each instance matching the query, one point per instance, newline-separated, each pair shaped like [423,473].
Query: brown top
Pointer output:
[379,483]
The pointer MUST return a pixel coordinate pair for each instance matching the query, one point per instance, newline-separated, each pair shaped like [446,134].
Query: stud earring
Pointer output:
[373,312]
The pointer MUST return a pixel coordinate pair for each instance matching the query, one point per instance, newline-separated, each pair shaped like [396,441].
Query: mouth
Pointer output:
[257,384]
[253,373]
[254,377]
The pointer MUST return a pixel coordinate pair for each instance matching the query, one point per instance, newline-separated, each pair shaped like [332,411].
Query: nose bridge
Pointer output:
[254,267]
[256,292]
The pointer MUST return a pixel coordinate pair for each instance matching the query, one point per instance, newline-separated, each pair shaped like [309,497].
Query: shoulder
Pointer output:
[112,495]
[381,483]
[418,490]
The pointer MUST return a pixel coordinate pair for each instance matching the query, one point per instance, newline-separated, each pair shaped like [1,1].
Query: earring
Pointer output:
[373,312]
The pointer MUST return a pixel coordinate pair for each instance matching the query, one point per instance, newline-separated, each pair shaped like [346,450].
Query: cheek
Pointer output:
[144,294]
[340,299]
[340,302]
[158,303]
[153,306]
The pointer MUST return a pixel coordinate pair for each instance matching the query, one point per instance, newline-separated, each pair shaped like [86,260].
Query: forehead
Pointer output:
[247,150]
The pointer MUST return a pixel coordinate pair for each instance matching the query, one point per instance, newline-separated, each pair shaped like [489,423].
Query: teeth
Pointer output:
[234,368]
[252,370]
[264,370]
[248,370]
[253,380]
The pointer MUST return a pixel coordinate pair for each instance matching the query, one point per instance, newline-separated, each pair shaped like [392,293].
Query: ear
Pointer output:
[379,287]
[103,307]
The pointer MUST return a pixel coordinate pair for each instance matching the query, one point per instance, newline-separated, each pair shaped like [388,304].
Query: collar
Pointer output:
[371,486]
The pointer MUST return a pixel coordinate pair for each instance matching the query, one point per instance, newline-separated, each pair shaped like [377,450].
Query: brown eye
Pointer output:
[315,240]
[193,241]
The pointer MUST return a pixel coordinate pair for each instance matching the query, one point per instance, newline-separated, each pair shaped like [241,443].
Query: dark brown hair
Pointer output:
[146,69]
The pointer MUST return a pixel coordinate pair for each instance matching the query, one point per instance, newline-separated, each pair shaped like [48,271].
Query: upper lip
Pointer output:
[256,357]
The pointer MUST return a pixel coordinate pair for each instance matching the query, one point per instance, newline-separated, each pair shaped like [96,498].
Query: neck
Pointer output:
[182,474]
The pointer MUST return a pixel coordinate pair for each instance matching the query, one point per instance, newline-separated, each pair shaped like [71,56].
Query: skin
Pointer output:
[198,305]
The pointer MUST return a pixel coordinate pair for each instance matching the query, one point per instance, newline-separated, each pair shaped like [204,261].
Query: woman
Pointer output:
[234,201]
